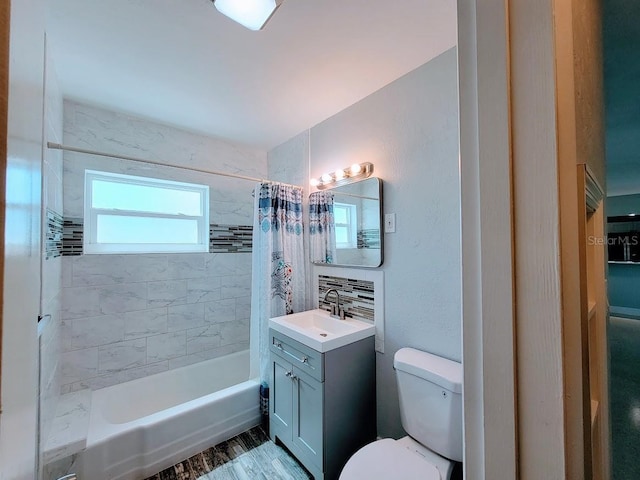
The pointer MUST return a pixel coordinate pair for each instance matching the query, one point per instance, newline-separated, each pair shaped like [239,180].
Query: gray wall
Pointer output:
[623,205]
[409,130]
[621,36]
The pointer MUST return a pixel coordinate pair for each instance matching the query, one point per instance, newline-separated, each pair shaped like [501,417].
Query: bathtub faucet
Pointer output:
[336,310]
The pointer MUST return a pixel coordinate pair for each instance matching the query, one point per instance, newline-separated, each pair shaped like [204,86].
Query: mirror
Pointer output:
[345,225]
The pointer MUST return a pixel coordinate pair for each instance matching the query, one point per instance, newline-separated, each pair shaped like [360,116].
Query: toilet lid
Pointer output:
[386,459]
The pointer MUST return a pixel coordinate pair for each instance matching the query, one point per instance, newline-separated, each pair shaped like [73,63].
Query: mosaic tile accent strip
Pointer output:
[72,233]
[230,238]
[250,455]
[369,238]
[357,297]
[53,240]
[222,238]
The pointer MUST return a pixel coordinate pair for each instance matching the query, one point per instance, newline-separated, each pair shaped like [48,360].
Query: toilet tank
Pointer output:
[430,393]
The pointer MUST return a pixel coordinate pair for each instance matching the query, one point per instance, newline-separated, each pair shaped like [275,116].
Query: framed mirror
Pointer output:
[345,225]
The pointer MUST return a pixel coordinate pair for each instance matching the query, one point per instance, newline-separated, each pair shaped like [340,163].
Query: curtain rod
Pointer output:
[57,146]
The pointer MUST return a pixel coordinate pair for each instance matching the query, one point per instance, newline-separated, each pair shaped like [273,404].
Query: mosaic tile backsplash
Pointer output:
[356,296]
[369,238]
[69,234]
[72,232]
[230,238]
[53,240]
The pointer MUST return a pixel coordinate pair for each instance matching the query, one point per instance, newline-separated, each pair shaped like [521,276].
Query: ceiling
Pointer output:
[182,63]
[621,38]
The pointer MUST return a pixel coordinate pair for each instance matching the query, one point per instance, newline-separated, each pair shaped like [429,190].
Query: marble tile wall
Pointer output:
[129,316]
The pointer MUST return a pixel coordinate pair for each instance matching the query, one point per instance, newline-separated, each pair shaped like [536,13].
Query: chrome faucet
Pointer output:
[336,310]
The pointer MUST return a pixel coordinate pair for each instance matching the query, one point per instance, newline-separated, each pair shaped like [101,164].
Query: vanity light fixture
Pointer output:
[253,14]
[357,171]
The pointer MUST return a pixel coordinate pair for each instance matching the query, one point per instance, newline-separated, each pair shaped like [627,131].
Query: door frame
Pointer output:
[5,16]
[522,296]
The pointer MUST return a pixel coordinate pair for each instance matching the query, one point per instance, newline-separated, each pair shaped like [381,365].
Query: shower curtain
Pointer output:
[322,236]
[278,280]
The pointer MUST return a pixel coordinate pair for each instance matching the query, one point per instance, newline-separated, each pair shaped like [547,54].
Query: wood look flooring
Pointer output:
[249,456]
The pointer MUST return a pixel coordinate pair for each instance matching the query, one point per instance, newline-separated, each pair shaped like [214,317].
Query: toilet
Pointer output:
[430,394]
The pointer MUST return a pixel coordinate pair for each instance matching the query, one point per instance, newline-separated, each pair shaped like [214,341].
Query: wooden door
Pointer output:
[595,324]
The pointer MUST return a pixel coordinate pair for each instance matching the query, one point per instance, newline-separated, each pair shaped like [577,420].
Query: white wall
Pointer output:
[22,242]
[128,316]
[409,130]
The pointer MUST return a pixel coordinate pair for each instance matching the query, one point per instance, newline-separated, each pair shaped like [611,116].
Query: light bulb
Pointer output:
[314,182]
[326,177]
[340,174]
[355,169]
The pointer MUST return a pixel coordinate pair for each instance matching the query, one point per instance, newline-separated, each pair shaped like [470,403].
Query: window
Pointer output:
[127,214]
[345,219]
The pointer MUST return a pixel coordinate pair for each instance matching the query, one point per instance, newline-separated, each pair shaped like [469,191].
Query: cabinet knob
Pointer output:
[305,359]
[278,345]
[288,374]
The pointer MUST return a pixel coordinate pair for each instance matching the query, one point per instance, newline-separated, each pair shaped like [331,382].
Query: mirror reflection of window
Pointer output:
[346,227]
[350,234]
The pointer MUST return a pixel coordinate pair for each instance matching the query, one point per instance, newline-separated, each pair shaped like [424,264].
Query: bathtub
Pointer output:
[139,428]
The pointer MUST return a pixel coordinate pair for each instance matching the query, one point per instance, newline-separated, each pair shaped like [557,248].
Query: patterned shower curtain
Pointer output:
[322,235]
[278,280]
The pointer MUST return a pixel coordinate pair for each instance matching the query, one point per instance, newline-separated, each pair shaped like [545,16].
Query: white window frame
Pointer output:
[90,244]
[352,228]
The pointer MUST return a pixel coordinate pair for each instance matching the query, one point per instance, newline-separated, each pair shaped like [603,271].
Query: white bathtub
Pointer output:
[141,427]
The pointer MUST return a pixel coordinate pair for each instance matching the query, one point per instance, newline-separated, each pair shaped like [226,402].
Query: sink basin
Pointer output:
[316,329]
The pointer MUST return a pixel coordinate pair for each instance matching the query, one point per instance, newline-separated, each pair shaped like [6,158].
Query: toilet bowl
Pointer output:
[393,459]
[430,394]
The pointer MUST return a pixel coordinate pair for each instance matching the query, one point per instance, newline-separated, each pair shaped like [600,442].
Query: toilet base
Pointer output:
[444,466]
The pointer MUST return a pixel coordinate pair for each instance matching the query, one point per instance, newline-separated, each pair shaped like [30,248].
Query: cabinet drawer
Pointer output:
[300,356]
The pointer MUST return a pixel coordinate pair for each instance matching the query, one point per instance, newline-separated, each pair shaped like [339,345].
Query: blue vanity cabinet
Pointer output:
[322,405]
[281,406]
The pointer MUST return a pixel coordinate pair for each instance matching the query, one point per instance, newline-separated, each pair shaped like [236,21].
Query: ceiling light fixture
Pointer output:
[253,14]
[357,171]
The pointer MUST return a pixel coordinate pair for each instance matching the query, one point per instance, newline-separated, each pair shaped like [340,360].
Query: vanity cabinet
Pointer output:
[322,405]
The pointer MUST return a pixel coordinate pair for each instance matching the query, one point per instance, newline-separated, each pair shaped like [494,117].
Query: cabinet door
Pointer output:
[282,398]
[308,416]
